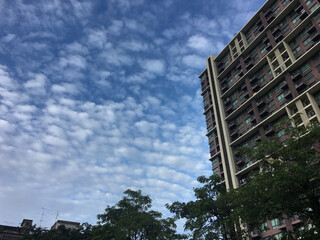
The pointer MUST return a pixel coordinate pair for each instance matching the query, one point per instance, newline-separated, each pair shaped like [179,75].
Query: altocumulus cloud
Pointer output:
[97,97]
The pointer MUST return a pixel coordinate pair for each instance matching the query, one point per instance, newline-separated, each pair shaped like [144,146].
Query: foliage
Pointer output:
[209,217]
[131,219]
[61,233]
[288,182]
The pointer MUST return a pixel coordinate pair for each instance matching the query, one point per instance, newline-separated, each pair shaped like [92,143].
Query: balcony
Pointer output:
[304,14]
[250,111]
[234,134]
[288,94]
[255,234]
[269,132]
[300,85]
[229,110]
[270,18]
[283,85]
[227,101]
[316,37]
[260,103]
[311,29]
[253,120]
[249,65]
[232,124]
[296,76]
[253,78]
[299,8]
[279,38]
[264,112]
[224,88]
[244,87]
[255,87]
[265,40]
[247,59]
[276,31]
[268,46]
[220,70]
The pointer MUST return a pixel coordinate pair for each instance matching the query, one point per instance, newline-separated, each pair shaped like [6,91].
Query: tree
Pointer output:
[210,215]
[131,219]
[287,183]
[61,233]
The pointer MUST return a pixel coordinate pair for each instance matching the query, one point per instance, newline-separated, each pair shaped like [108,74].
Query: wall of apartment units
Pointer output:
[268,71]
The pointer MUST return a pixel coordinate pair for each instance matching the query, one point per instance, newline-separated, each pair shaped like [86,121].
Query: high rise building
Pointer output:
[269,70]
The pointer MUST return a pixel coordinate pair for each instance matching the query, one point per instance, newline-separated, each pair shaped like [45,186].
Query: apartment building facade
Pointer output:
[268,71]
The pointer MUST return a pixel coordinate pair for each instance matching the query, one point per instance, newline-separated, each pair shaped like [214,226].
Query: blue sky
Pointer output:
[100,96]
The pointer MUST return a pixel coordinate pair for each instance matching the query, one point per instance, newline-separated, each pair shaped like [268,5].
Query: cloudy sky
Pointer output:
[100,96]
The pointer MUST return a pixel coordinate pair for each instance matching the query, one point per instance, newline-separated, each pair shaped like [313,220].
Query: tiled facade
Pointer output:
[269,70]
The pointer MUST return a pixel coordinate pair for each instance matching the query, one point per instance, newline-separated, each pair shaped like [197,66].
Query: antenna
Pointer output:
[42,214]
[57,215]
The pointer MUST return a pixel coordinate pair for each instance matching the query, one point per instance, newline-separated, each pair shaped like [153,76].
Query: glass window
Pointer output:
[236,76]
[271,104]
[214,161]
[211,144]
[281,133]
[278,236]
[308,76]
[285,2]
[269,95]
[296,50]
[314,7]
[296,19]
[309,2]
[307,41]
[230,82]
[286,29]
[240,126]
[208,121]
[210,137]
[280,97]
[305,67]
[249,39]
[235,102]
[263,50]
[215,171]
[209,128]
[262,79]
[276,223]
[206,101]
[248,120]
[276,11]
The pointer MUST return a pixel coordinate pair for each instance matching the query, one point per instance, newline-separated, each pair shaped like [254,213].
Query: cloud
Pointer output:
[156,66]
[200,43]
[194,61]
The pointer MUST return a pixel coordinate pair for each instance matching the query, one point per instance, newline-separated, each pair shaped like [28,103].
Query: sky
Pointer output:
[97,97]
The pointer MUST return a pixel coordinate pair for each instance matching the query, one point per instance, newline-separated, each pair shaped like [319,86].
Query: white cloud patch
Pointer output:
[156,66]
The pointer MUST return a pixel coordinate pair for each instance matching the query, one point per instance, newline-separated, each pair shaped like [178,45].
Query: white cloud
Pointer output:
[199,43]
[194,61]
[154,65]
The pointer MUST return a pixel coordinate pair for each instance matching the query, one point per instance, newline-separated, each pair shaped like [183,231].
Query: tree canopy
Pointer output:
[286,184]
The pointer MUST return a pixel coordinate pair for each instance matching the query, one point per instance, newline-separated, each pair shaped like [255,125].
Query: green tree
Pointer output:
[61,233]
[287,183]
[210,215]
[131,219]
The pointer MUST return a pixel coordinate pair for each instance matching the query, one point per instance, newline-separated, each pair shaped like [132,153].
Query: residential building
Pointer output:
[15,233]
[67,224]
[268,71]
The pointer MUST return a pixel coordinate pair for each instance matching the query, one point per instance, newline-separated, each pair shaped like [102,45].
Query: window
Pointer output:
[307,41]
[212,145]
[210,137]
[248,120]
[256,57]
[271,104]
[286,29]
[296,50]
[233,96]
[285,2]
[309,76]
[314,7]
[269,95]
[249,39]
[208,114]
[214,161]
[236,76]
[277,88]
[263,50]
[205,101]
[275,223]
[280,97]
[305,67]
[276,11]
[215,171]
[281,133]
[278,236]
[235,102]
[240,126]
[226,63]
[209,121]
[209,128]
[230,82]
[309,2]
[262,79]
[296,19]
